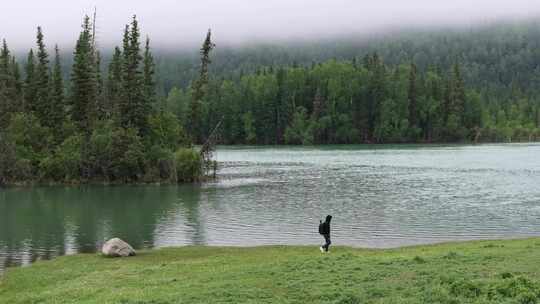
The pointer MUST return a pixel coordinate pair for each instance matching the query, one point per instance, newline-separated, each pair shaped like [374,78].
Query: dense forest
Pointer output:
[98,126]
[132,116]
[354,102]
[443,86]
[497,56]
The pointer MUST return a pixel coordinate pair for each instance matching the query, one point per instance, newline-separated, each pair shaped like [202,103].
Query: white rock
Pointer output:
[117,248]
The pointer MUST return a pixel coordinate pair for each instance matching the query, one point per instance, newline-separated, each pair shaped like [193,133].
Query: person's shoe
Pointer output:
[322,249]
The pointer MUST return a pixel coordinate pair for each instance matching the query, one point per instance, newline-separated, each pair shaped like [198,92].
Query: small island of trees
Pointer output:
[95,127]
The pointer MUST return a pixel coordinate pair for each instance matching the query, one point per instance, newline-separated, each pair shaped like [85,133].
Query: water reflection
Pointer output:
[46,222]
[379,198]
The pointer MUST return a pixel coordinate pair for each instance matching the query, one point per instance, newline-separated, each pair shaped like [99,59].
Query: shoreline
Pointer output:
[203,179]
[444,272]
[351,247]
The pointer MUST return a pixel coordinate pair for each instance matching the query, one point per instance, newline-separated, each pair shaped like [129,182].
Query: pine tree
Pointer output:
[5,106]
[148,75]
[101,109]
[125,43]
[5,60]
[83,79]
[10,77]
[114,84]
[17,80]
[42,102]
[199,89]
[30,83]
[124,101]
[57,116]
[412,96]
[133,111]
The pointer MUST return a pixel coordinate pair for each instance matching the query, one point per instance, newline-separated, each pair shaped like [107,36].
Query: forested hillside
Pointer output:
[450,85]
[501,54]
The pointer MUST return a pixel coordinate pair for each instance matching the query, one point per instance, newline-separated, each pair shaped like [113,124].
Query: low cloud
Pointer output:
[176,24]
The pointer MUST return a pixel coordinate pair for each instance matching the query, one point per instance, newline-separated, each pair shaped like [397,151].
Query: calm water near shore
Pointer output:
[380,196]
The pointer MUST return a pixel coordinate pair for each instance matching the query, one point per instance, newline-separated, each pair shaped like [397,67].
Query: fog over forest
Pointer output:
[174,24]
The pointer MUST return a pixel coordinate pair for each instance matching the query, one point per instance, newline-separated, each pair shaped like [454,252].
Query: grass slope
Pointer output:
[471,272]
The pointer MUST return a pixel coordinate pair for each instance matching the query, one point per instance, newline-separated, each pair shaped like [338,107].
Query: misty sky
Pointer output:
[184,22]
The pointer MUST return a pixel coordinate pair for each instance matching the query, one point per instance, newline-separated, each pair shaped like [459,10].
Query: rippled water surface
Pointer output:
[380,196]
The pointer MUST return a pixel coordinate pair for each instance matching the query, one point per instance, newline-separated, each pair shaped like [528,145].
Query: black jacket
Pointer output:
[324,228]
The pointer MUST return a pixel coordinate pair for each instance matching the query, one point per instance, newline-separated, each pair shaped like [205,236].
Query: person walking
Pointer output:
[324,230]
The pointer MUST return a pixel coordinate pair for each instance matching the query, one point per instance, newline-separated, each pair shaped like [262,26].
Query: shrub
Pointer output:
[66,161]
[419,260]
[31,139]
[165,131]
[116,153]
[188,165]
[160,165]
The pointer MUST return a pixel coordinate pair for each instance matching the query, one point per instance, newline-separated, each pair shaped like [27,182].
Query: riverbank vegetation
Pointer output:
[103,127]
[471,272]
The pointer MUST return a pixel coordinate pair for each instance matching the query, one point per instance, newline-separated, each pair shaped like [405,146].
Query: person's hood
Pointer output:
[328,219]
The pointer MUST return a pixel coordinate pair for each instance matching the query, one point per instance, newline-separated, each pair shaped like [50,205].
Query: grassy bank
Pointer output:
[472,272]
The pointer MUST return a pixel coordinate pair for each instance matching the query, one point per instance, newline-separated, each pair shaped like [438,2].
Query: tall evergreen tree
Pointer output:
[149,74]
[83,79]
[5,107]
[101,109]
[57,114]
[9,76]
[114,84]
[42,102]
[16,72]
[5,60]
[30,88]
[199,89]
[133,110]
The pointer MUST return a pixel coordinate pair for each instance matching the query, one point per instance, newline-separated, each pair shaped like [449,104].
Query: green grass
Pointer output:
[471,272]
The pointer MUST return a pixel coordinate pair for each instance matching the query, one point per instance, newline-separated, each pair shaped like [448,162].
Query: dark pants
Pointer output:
[327,242]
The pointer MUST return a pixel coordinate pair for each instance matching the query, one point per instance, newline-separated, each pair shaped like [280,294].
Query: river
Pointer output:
[380,197]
